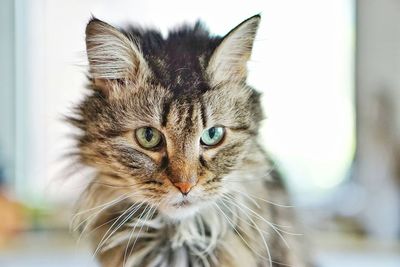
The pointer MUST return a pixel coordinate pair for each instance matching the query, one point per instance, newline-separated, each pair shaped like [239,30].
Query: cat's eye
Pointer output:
[212,136]
[148,137]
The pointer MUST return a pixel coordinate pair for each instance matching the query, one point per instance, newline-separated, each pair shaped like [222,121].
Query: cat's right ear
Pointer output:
[113,57]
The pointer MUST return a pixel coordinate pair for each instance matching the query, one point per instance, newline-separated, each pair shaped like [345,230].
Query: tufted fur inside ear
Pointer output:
[112,55]
[228,62]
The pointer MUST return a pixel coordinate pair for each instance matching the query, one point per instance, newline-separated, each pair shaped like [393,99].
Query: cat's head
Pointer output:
[168,119]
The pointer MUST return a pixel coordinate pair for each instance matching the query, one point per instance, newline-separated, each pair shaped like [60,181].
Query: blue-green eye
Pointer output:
[212,136]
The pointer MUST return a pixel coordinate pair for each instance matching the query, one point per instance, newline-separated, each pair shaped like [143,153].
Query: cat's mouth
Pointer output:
[182,203]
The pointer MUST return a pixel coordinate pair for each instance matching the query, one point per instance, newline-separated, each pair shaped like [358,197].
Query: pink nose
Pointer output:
[184,187]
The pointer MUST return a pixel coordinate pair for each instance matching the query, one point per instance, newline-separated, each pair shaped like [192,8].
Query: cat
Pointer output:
[170,126]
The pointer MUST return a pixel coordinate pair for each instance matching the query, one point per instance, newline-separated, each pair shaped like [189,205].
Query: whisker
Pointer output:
[145,221]
[114,186]
[276,226]
[266,221]
[258,178]
[234,228]
[259,231]
[152,215]
[98,227]
[94,208]
[232,201]
[106,236]
[93,216]
[104,207]
[261,199]
[132,232]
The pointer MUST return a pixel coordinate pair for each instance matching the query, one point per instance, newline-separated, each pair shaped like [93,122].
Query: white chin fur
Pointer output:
[179,213]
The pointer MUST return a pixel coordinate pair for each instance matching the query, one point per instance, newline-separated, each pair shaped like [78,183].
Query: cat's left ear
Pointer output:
[229,60]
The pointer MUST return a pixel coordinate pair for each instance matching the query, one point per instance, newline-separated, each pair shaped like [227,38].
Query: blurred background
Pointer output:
[329,73]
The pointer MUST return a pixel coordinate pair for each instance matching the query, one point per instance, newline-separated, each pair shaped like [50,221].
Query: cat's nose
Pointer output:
[184,187]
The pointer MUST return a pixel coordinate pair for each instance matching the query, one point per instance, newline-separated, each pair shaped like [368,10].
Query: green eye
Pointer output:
[148,137]
[212,136]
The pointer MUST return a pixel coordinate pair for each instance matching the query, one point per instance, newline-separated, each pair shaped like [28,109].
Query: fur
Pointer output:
[237,214]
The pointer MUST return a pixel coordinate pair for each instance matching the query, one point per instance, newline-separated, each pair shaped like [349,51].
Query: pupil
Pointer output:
[211,132]
[148,134]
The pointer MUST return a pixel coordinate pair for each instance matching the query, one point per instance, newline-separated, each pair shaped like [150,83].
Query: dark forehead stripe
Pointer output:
[203,113]
[189,118]
[177,61]
[165,112]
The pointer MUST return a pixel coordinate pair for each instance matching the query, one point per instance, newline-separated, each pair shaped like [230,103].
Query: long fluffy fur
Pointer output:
[238,213]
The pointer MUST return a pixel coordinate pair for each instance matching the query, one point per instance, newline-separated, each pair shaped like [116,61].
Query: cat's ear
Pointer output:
[229,60]
[112,56]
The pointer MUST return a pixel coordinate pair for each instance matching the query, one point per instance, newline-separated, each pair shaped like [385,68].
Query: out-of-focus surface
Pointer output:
[58,249]
[320,64]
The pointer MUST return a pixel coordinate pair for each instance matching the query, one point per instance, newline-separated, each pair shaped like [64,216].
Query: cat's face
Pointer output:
[168,128]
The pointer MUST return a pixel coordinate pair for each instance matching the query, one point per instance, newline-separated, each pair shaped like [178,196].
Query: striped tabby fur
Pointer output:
[237,214]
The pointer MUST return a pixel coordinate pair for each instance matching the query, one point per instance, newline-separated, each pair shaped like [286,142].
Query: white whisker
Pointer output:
[261,199]
[107,235]
[133,231]
[259,231]
[237,232]
[95,214]
[97,207]
[267,222]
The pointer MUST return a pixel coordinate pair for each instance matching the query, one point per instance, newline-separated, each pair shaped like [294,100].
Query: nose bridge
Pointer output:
[183,162]
[183,168]
[183,173]
[183,148]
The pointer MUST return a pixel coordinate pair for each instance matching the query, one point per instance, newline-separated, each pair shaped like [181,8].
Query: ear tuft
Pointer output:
[229,60]
[112,55]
